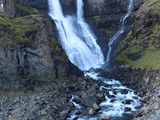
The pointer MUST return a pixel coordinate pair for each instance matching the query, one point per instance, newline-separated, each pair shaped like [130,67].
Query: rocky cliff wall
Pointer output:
[29,49]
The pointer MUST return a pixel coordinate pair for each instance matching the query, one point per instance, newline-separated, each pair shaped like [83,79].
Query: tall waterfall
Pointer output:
[80,45]
[120,31]
[76,38]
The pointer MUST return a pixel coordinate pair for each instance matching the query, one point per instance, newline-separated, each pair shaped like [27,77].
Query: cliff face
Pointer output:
[104,16]
[29,50]
[140,49]
[107,7]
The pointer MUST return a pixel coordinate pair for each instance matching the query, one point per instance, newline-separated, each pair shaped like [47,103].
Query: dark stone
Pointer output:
[128,101]
[88,101]
[113,100]
[125,91]
[127,109]
[78,112]
[107,7]
[39,4]
[77,99]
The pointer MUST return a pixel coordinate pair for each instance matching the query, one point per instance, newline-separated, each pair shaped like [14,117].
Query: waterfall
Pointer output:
[1,7]
[113,40]
[80,45]
[76,38]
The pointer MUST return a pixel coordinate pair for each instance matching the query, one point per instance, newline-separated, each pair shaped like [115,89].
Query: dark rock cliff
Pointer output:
[29,50]
[108,7]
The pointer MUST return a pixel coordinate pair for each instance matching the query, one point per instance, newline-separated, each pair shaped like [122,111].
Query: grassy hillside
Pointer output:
[141,47]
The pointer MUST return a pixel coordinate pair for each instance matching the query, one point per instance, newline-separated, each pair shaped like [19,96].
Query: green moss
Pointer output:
[3,42]
[97,19]
[47,79]
[2,76]
[19,28]
[150,55]
[26,10]
[152,6]
[54,47]
[107,31]
[156,29]
[150,60]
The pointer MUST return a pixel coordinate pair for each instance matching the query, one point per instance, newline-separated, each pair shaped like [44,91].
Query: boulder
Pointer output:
[96,107]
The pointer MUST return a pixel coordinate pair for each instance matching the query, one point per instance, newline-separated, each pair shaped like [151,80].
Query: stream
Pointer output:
[79,43]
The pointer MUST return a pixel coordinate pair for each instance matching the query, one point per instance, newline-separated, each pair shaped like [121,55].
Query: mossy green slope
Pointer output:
[18,29]
[141,47]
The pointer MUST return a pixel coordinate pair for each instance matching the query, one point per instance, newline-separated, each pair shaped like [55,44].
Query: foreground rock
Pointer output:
[47,101]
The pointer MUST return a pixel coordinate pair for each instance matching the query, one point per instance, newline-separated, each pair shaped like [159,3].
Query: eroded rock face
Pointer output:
[9,7]
[29,50]
[140,49]
[38,4]
[107,7]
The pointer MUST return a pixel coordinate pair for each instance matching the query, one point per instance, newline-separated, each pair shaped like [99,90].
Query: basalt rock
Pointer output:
[108,7]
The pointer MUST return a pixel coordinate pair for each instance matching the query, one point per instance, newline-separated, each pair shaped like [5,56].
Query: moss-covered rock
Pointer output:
[22,10]
[140,49]
[30,51]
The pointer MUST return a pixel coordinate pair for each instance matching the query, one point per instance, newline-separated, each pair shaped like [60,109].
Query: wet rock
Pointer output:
[18,112]
[138,113]
[96,107]
[88,78]
[70,104]
[69,97]
[128,101]
[138,107]
[63,114]
[95,86]
[113,100]
[78,112]
[100,96]
[84,83]
[88,101]
[43,112]
[135,97]
[91,111]
[77,99]
[84,95]
[127,109]
[105,118]
[144,99]
[125,91]
[111,96]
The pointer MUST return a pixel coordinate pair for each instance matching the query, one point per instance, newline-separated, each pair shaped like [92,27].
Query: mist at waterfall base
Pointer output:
[76,37]
[81,47]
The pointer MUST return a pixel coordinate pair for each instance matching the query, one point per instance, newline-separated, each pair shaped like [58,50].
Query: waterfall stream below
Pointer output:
[81,47]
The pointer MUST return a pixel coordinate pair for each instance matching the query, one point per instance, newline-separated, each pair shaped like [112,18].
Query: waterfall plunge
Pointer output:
[76,38]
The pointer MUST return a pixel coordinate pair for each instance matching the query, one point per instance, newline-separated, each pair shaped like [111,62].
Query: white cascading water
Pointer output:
[121,31]
[1,7]
[80,45]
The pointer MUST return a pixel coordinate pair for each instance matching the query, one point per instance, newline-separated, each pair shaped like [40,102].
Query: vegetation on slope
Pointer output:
[141,47]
